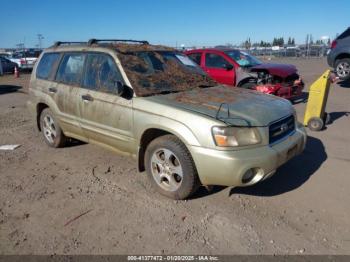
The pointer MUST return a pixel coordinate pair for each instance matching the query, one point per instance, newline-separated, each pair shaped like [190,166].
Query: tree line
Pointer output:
[280,41]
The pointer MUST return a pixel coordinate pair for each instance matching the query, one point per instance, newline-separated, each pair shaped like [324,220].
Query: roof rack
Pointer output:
[95,41]
[58,43]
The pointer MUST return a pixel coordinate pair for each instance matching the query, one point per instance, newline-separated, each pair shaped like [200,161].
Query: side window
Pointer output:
[45,65]
[102,74]
[215,61]
[71,68]
[196,57]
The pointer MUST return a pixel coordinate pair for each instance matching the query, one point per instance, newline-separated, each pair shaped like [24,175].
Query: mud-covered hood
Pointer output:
[247,107]
[281,70]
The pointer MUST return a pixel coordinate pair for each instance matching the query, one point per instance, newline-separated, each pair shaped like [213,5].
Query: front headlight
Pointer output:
[235,136]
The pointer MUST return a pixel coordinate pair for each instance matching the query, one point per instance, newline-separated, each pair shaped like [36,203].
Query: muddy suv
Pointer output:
[155,104]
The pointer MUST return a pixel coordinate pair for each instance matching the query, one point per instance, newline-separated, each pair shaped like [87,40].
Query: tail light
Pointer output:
[333,44]
[23,61]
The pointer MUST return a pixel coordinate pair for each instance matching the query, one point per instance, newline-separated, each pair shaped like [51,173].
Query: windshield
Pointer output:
[242,58]
[161,72]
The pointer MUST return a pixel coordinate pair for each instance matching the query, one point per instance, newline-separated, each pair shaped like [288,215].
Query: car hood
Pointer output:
[246,107]
[281,70]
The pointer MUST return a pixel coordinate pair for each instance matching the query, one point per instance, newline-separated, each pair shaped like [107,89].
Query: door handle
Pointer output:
[52,90]
[87,98]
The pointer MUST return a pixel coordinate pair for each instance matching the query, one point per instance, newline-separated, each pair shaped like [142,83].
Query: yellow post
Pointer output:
[315,108]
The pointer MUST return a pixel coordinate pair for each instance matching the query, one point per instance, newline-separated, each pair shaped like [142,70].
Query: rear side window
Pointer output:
[196,57]
[71,68]
[102,73]
[346,33]
[45,65]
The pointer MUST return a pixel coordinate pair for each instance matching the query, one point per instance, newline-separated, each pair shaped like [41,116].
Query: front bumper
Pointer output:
[227,168]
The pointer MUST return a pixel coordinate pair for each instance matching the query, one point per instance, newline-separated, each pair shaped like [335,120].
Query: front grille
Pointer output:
[281,128]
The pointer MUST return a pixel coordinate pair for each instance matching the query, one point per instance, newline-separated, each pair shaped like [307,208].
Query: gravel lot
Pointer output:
[303,209]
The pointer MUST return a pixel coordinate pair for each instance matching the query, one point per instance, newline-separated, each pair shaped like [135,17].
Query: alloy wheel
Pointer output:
[343,69]
[49,129]
[166,169]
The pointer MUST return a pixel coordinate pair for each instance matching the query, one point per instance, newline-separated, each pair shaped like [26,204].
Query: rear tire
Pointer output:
[170,168]
[315,124]
[52,132]
[342,68]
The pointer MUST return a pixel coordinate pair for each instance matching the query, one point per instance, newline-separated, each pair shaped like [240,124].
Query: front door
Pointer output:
[219,68]
[105,116]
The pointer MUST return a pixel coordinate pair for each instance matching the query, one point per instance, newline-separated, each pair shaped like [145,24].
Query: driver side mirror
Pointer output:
[123,90]
[228,67]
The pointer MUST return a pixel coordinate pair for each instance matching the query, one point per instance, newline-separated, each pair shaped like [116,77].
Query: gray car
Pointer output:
[339,56]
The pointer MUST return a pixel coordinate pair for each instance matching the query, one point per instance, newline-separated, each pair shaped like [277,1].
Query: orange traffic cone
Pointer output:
[16,72]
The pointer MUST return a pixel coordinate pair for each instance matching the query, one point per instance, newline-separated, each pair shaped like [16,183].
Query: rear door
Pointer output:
[216,66]
[65,91]
[105,116]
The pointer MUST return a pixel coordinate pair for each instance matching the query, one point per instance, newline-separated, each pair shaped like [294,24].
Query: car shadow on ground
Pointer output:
[292,175]
[5,89]
[74,143]
[336,115]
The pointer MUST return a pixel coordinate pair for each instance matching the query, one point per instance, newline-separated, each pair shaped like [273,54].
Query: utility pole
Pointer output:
[40,38]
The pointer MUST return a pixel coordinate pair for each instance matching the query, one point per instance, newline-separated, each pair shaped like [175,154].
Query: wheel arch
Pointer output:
[246,80]
[39,109]
[341,56]
[148,135]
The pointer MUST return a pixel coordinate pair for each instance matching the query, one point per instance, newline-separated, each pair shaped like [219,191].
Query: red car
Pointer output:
[237,68]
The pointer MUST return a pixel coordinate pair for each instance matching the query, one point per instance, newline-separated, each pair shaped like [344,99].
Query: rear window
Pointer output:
[45,65]
[346,33]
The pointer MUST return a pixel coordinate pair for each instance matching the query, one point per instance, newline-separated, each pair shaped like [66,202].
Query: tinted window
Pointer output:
[102,73]
[196,57]
[70,70]
[214,60]
[346,33]
[46,64]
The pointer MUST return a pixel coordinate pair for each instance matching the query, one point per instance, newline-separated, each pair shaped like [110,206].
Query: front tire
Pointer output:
[342,68]
[170,168]
[52,132]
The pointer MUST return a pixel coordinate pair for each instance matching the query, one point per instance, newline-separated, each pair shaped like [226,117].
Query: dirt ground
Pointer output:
[303,209]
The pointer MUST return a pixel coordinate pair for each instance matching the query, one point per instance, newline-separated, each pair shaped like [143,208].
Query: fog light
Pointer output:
[248,176]
[252,176]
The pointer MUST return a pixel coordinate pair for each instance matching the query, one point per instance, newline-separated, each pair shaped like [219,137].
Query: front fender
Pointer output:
[144,122]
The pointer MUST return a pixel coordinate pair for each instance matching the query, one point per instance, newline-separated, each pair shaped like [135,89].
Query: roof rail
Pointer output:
[95,41]
[58,43]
